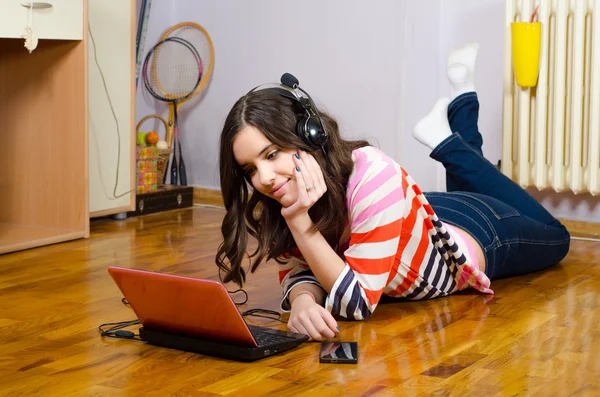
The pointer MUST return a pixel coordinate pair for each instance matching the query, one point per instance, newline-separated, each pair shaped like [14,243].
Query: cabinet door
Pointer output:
[13,18]
[52,19]
[113,25]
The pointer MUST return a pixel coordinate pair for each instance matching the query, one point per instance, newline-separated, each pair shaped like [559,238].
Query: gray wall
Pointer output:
[377,66]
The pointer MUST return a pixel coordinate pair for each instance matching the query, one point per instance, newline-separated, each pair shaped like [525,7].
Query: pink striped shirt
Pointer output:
[397,247]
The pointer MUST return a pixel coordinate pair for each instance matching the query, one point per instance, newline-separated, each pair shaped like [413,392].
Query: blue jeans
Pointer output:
[516,233]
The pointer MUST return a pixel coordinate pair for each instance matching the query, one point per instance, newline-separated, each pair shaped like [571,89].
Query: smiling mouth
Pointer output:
[278,187]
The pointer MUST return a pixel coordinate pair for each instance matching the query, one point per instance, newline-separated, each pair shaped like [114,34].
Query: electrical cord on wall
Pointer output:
[115,196]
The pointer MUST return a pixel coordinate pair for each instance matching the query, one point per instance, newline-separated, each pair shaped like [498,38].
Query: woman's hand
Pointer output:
[309,318]
[310,183]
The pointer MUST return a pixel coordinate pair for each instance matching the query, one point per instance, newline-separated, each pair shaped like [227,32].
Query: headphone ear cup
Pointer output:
[309,126]
[301,130]
[311,132]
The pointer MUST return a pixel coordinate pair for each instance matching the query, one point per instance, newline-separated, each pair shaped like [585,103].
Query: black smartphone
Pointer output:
[339,352]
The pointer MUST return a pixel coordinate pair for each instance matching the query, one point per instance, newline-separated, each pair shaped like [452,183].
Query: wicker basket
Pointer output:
[162,155]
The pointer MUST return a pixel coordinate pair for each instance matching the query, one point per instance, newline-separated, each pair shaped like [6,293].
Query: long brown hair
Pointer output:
[249,211]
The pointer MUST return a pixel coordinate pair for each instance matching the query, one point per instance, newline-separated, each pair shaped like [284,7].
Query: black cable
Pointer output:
[276,316]
[242,291]
[116,330]
[272,315]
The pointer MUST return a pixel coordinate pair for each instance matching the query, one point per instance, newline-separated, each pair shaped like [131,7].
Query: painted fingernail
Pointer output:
[338,328]
[297,168]
[297,156]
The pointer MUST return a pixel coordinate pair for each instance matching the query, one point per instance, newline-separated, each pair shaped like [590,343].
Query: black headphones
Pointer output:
[310,127]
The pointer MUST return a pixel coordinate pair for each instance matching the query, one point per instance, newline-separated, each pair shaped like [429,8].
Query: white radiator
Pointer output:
[551,132]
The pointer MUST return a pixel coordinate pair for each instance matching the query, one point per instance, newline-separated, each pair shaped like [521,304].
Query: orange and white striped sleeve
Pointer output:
[376,205]
[293,273]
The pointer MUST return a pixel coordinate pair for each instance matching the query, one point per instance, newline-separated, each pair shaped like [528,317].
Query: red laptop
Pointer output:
[196,315]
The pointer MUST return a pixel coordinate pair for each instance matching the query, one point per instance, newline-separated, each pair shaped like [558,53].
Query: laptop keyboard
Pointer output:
[265,339]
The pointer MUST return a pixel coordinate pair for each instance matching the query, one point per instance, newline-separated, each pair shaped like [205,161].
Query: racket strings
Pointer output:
[199,40]
[172,70]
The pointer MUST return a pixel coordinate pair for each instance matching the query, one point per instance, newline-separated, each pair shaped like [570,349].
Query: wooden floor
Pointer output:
[539,335]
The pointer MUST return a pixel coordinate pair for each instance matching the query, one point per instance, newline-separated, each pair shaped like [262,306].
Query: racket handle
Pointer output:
[166,174]
[182,173]
[174,170]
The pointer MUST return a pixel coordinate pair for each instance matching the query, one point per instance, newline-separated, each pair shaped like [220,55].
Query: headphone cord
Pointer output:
[116,330]
[263,313]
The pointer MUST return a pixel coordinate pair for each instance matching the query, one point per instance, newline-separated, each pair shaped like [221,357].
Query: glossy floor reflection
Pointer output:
[537,336]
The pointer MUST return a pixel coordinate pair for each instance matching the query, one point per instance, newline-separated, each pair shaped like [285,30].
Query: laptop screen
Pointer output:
[195,307]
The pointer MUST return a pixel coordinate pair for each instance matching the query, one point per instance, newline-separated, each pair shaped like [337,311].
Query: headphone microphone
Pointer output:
[310,127]
[289,80]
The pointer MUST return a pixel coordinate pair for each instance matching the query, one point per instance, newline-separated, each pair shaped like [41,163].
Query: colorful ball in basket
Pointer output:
[151,138]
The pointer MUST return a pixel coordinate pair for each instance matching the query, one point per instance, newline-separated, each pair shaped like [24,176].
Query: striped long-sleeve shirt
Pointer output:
[397,246]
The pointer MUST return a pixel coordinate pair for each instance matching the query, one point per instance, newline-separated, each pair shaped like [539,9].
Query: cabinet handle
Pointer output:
[37,5]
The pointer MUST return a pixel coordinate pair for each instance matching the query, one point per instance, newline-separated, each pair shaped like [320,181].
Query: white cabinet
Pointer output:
[52,19]
[113,26]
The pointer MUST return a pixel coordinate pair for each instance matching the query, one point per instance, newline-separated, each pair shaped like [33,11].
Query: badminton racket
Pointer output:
[171,72]
[199,38]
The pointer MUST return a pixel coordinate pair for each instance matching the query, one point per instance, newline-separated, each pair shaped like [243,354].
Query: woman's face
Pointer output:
[270,168]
